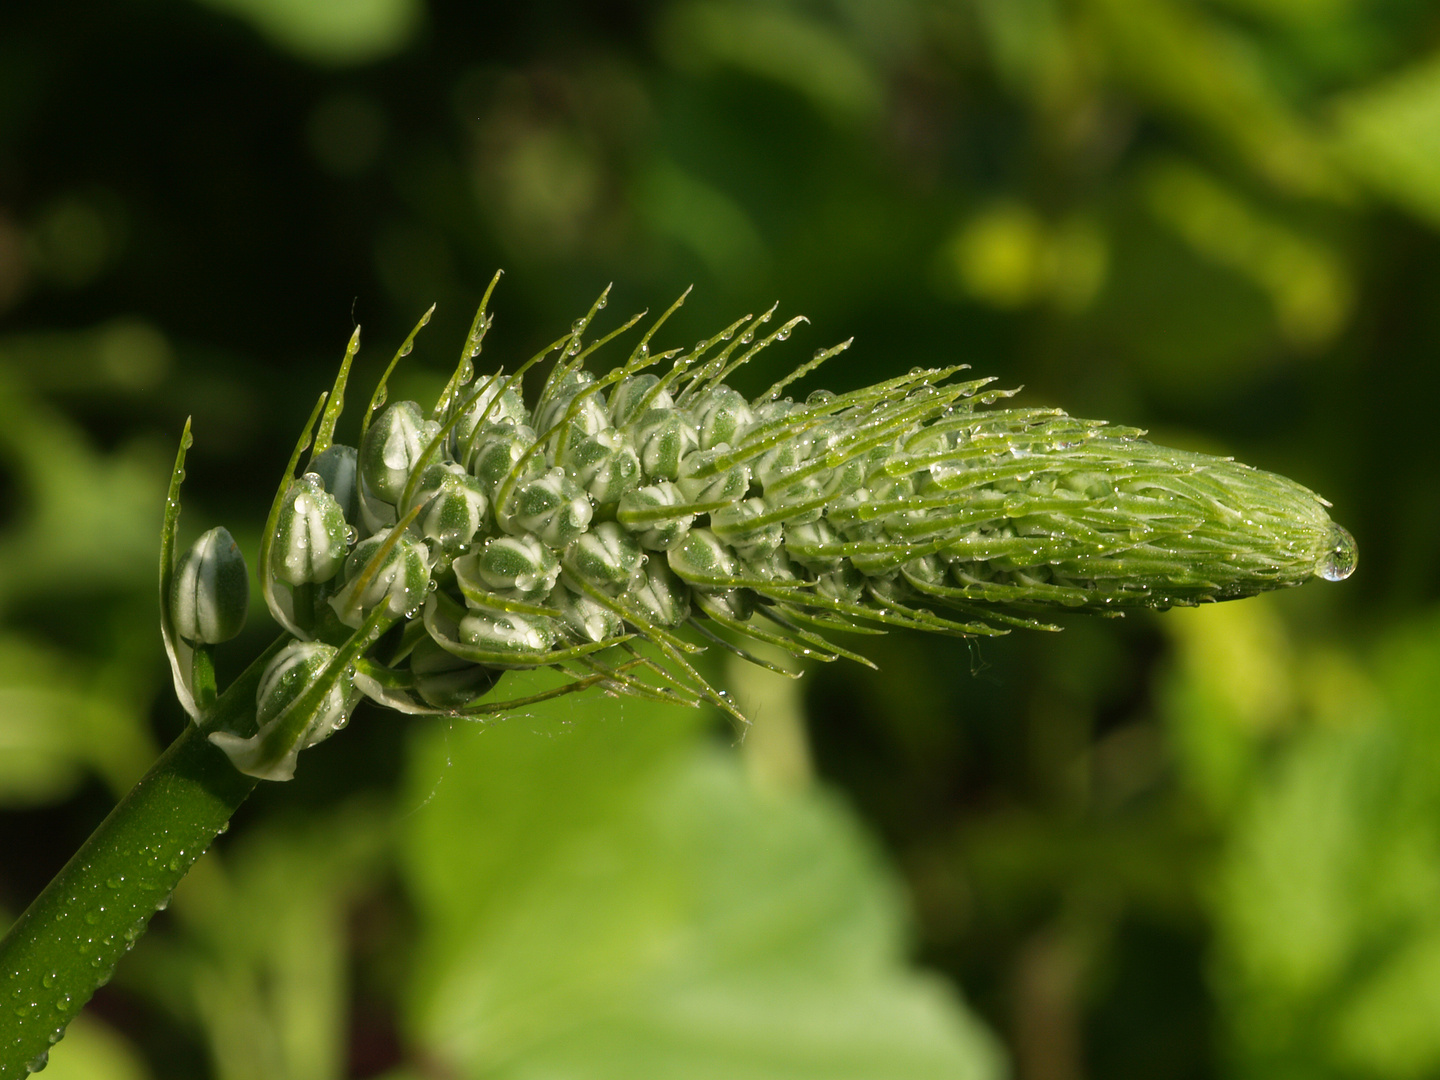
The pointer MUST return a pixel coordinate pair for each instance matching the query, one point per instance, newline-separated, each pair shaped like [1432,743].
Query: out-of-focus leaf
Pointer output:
[705,220]
[60,718]
[1328,898]
[330,31]
[260,959]
[1388,134]
[86,520]
[1308,285]
[92,1051]
[1008,257]
[605,895]
[778,43]
[1193,67]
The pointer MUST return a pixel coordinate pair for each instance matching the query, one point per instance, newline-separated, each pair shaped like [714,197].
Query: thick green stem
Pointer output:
[67,943]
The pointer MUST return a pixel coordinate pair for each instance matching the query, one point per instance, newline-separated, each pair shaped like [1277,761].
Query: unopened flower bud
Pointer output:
[663,437]
[291,672]
[454,504]
[497,450]
[550,506]
[311,535]
[587,617]
[392,449]
[337,468]
[590,415]
[604,465]
[639,513]
[629,392]
[506,632]
[734,524]
[606,557]
[446,681]
[660,595]
[210,590]
[720,416]
[400,582]
[512,566]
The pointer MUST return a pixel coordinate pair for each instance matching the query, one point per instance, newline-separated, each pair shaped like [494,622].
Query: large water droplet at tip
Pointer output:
[1338,560]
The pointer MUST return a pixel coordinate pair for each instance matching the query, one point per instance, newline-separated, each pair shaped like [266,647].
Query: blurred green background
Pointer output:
[1201,844]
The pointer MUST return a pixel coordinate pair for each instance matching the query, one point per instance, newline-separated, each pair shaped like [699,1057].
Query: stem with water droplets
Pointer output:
[67,943]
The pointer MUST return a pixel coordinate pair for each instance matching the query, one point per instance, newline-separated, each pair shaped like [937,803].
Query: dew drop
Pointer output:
[578,326]
[382,394]
[38,1062]
[406,348]
[1340,556]
[467,371]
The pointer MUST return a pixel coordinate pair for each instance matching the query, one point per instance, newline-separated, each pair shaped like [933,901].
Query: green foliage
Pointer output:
[633,906]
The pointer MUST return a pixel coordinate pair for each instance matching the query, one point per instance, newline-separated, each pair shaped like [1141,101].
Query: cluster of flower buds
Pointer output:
[588,531]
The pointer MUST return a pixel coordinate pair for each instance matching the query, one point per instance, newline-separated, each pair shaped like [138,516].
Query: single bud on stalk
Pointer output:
[210,591]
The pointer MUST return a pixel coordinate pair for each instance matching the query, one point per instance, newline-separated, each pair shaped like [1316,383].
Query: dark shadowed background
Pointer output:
[1199,844]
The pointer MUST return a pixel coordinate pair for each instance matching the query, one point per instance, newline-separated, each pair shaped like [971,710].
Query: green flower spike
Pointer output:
[661,508]
[611,531]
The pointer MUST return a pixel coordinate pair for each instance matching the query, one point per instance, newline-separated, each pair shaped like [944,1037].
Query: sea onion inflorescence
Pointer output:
[628,518]
[612,530]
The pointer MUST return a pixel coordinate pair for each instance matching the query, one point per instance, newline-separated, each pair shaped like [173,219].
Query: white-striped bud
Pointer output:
[551,507]
[638,513]
[392,448]
[400,581]
[210,590]
[455,505]
[606,557]
[311,536]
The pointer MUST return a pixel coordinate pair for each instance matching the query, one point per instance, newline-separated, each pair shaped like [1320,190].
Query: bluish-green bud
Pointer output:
[454,507]
[550,506]
[210,590]
[337,468]
[400,581]
[311,535]
[512,566]
[606,557]
[392,449]
[638,512]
